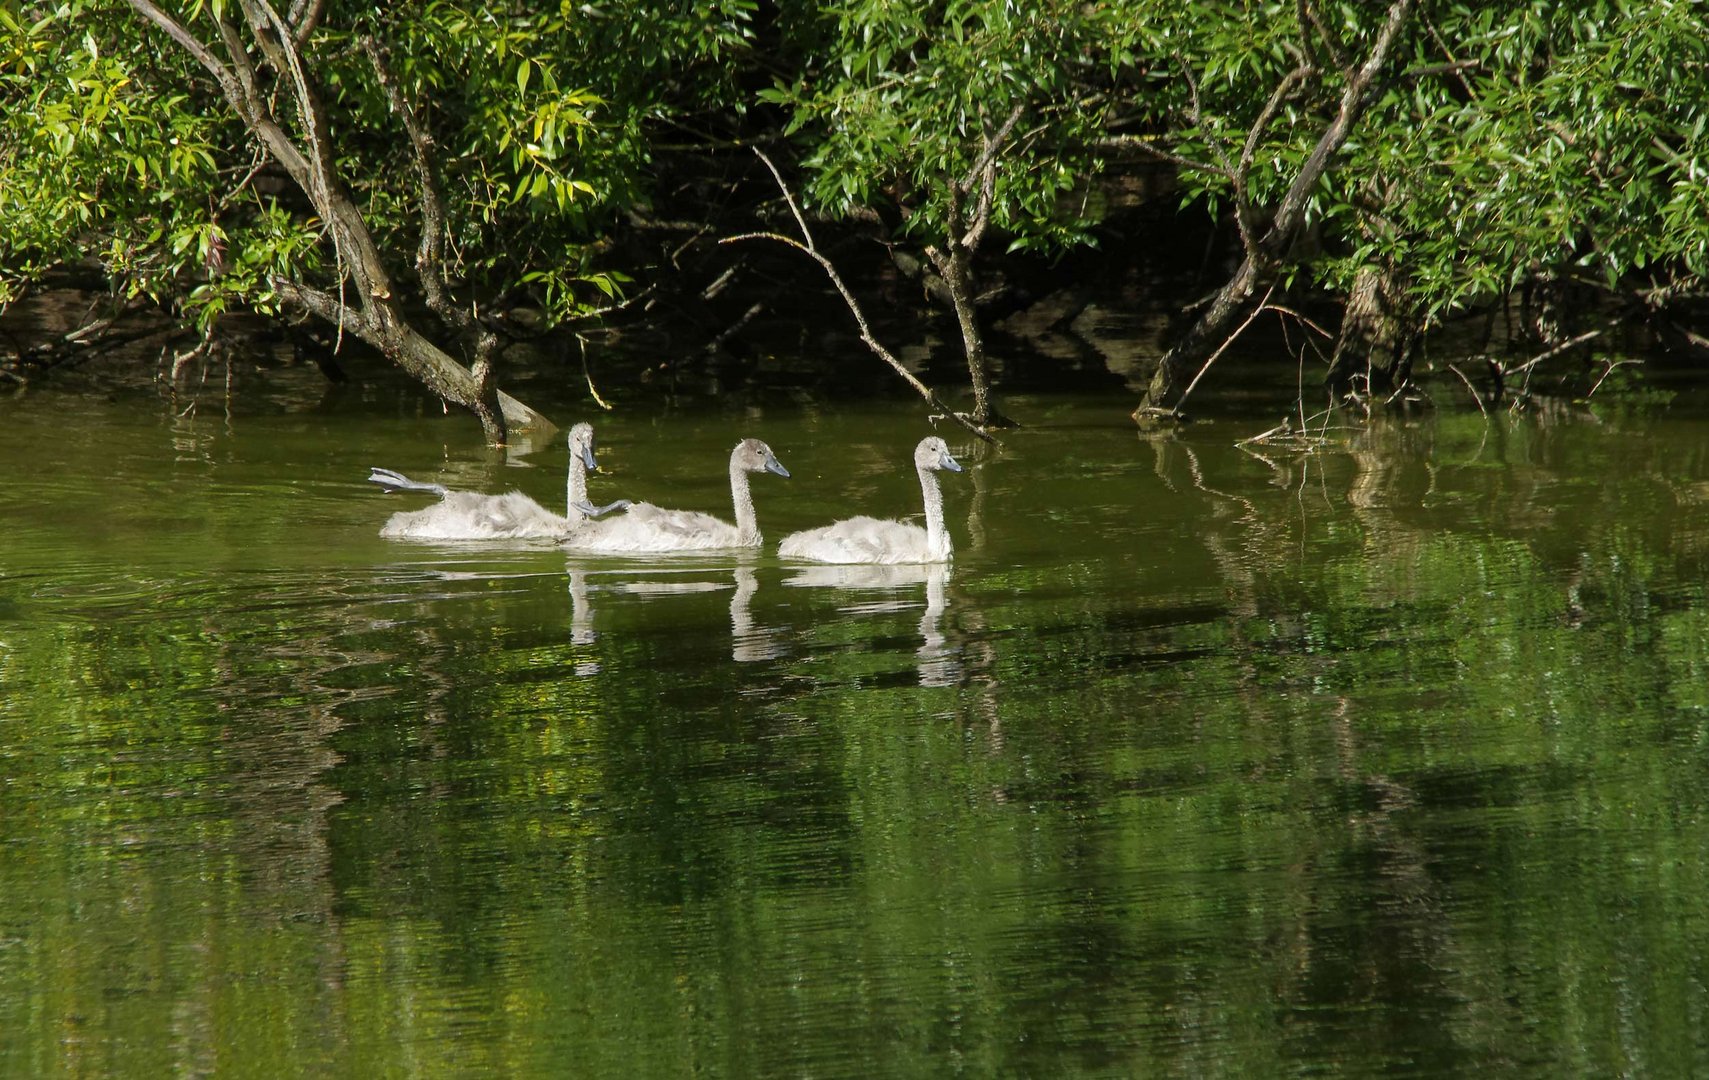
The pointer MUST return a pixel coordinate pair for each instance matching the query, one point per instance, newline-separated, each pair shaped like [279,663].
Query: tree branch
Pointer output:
[377,318]
[1242,201]
[1291,210]
[986,173]
[1145,146]
[866,335]
[1260,262]
[305,16]
[192,45]
[430,253]
[1196,113]
[325,305]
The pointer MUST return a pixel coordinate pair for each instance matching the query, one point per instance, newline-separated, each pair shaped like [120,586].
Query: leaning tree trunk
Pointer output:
[365,302]
[1263,255]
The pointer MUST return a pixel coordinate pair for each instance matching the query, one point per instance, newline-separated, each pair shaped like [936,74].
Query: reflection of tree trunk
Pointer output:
[1375,340]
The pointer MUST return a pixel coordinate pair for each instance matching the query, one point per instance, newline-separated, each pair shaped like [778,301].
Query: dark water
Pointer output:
[1387,757]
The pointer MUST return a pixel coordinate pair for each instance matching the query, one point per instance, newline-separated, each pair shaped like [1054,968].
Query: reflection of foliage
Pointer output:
[1388,777]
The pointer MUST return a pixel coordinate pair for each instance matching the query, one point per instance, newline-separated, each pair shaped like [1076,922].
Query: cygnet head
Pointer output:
[933,453]
[581,444]
[751,455]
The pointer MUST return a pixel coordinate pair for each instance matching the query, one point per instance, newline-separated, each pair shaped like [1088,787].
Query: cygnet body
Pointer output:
[470,515]
[874,540]
[647,529]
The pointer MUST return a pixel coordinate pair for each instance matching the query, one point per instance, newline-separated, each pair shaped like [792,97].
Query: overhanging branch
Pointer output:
[866,336]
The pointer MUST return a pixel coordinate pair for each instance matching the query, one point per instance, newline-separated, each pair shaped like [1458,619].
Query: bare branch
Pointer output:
[1436,36]
[1612,364]
[866,335]
[1550,354]
[1476,397]
[789,198]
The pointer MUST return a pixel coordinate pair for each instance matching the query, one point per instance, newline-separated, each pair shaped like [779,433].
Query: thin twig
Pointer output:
[1476,397]
[866,335]
[1144,145]
[1263,306]
[1554,352]
[1286,427]
[1612,364]
[588,375]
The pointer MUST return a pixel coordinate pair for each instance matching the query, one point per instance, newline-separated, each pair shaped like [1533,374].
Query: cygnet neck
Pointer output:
[577,488]
[937,537]
[747,523]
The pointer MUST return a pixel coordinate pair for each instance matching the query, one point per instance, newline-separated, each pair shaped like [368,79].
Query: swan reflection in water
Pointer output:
[937,660]
[749,641]
[581,622]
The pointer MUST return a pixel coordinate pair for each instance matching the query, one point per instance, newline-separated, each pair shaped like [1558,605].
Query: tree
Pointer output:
[1564,153]
[1282,86]
[442,178]
[1428,159]
[165,173]
[954,122]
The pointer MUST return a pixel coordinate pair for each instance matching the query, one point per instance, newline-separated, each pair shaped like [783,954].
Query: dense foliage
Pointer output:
[1455,152]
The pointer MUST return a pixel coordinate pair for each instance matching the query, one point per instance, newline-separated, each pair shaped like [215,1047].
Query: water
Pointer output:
[1386,757]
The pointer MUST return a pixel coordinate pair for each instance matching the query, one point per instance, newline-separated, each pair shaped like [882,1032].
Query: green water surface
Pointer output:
[1389,757]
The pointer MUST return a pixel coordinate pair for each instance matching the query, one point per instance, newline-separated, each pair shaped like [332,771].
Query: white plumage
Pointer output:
[645,528]
[873,540]
[469,515]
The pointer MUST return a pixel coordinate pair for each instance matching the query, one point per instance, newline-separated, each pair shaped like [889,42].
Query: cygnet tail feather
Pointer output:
[396,481]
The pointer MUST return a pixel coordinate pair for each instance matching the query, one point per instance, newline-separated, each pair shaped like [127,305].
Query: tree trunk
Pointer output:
[381,326]
[366,303]
[956,267]
[1175,371]
[1374,344]
[1264,256]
